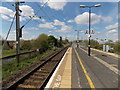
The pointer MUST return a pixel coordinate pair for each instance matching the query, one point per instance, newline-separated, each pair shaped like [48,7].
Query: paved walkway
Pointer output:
[62,75]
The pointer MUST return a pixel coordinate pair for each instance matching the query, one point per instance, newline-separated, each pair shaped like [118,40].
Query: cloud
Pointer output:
[114,26]
[49,31]
[107,19]
[4,17]
[23,32]
[31,28]
[7,11]
[112,31]
[43,20]
[32,37]
[22,18]
[38,18]
[27,10]
[47,25]
[12,35]
[55,5]
[57,22]
[95,19]
[98,32]
[11,0]
[83,18]
[34,28]
[65,29]
[70,21]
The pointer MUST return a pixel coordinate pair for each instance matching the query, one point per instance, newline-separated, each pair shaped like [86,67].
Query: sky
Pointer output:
[61,19]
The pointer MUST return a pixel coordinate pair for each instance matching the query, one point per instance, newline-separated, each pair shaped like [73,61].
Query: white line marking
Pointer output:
[59,78]
[77,74]
[78,79]
[57,82]
[108,65]
[56,85]
[104,63]
[114,65]
[55,72]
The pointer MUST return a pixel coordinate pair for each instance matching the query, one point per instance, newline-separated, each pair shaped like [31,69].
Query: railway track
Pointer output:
[38,77]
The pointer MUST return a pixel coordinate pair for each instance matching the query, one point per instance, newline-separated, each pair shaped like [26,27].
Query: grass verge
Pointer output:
[6,53]
[12,67]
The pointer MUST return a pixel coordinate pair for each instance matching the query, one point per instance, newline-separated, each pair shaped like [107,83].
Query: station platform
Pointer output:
[61,78]
[77,70]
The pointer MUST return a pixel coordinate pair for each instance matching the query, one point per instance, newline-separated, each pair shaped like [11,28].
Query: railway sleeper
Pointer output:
[43,72]
[40,75]
[32,83]
[37,77]
[21,86]
[37,73]
[32,80]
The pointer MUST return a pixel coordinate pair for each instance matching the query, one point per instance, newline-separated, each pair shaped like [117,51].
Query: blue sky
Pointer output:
[62,19]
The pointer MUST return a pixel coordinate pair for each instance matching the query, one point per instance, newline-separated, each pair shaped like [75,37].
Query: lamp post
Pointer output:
[89,32]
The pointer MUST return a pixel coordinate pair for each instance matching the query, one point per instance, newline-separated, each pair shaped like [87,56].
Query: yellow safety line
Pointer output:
[85,72]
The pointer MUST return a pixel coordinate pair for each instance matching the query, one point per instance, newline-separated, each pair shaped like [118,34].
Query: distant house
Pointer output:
[11,44]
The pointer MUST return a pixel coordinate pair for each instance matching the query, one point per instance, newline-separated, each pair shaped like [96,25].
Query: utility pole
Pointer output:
[17,32]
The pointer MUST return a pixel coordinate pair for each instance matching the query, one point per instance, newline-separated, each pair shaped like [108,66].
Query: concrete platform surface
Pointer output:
[61,78]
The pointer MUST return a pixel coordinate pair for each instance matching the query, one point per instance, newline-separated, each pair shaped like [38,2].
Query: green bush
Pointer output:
[26,44]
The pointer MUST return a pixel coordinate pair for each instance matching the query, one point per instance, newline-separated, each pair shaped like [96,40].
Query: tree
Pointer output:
[26,44]
[110,44]
[41,42]
[65,41]
[117,47]
[93,43]
[52,41]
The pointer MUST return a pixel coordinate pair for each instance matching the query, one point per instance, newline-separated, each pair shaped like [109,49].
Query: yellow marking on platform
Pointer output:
[84,70]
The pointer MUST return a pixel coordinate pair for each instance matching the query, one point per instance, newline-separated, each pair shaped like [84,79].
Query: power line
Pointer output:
[43,11]
[10,4]
[9,29]
[35,14]
[36,21]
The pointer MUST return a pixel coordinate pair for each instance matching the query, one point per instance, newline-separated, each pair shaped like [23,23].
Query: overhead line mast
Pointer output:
[18,30]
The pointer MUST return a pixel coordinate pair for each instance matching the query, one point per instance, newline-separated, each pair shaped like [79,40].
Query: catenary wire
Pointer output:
[9,29]
[35,14]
